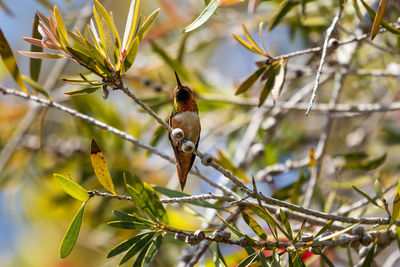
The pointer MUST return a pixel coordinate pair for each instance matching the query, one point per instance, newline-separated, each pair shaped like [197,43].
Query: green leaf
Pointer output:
[139,245]
[357,9]
[220,256]
[100,167]
[88,89]
[378,18]
[326,260]
[281,12]
[384,23]
[323,229]
[124,246]
[234,229]
[337,234]
[61,27]
[34,63]
[147,24]
[139,262]
[370,257]
[147,200]
[107,18]
[72,233]
[71,187]
[398,236]
[40,55]
[172,63]
[129,225]
[248,260]
[37,87]
[83,58]
[131,55]
[396,206]
[131,217]
[367,164]
[153,249]
[270,74]
[244,86]
[253,224]
[203,17]
[365,195]
[286,223]
[246,44]
[9,62]
[178,194]
[378,189]
[131,23]
[225,162]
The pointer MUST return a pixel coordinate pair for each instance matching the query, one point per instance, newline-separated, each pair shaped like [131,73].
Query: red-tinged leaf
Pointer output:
[9,62]
[244,86]
[203,17]
[33,41]
[131,55]
[100,167]
[384,23]
[378,18]
[41,55]
[72,233]
[35,63]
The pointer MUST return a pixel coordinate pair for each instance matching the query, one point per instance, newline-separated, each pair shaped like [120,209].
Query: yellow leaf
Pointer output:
[228,2]
[378,18]
[100,167]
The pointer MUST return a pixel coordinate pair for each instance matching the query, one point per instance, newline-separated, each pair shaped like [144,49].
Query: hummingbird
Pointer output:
[186,117]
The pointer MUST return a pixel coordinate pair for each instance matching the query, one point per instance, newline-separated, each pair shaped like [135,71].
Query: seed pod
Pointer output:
[177,135]
[199,235]
[225,235]
[343,240]
[206,160]
[180,236]
[366,239]
[358,230]
[188,147]
[192,240]
[333,43]
[257,150]
[217,235]
[307,238]
[243,241]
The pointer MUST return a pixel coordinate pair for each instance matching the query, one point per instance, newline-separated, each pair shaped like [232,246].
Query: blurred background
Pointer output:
[36,142]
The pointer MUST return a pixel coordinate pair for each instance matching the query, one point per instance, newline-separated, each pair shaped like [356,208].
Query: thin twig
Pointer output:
[322,61]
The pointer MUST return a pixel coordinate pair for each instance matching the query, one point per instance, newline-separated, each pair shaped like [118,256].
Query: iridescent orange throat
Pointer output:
[184,100]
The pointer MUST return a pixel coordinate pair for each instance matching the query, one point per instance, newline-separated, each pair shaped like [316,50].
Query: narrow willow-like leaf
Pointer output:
[131,23]
[334,235]
[378,189]
[225,162]
[220,256]
[272,71]
[370,257]
[9,62]
[251,40]
[107,17]
[61,26]
[147,200]
[128,225]
[72,233]
[323,229]
[384,23]
[147,24]
[246,44]
[248,260]
[327,260]
[203,17]
[234,229]
[286,223]
[83,58]
[367,164]
[244,86]
[254,225]
[40,55]
[85,90]
[357,9]
[100,29]
[131,55]
[396,206]
[100,167]
[178,194]
[281,12]
[125,245]
[267,217]
[378,18]
[72,188]
[153,249]
[365,195]
[34,63]
[37,87]
[139,262]
[139,245]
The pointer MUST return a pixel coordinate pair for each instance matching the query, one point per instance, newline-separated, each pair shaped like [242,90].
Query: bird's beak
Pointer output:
[177,80]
